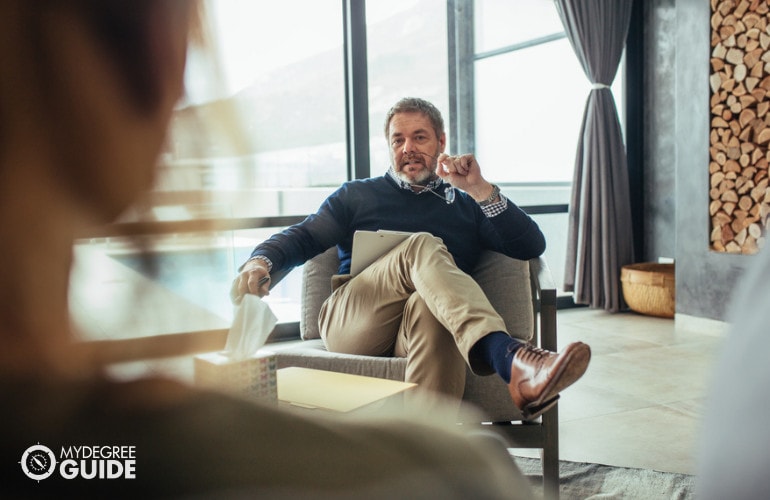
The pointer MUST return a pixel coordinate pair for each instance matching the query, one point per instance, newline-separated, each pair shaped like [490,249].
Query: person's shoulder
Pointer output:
[365,184]
[358,190]
[368,181]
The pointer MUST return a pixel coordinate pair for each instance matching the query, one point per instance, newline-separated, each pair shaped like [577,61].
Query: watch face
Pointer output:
[38,462]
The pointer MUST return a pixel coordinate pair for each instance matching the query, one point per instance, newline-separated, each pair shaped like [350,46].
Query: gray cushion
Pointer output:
[317,286]
[504,280]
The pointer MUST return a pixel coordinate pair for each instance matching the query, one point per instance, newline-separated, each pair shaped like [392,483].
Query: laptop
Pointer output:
[369,246]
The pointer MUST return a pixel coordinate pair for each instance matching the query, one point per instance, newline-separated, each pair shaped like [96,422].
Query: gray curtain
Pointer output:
[599,236]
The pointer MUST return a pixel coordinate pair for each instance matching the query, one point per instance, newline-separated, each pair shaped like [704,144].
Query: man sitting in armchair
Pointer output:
[418,301]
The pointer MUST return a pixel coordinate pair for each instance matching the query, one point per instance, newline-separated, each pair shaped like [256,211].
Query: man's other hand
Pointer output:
[254,278]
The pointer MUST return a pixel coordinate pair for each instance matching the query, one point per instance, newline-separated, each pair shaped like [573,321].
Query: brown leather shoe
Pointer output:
[538,376]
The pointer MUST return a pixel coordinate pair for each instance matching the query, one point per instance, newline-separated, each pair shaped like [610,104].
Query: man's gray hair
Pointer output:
[416,105]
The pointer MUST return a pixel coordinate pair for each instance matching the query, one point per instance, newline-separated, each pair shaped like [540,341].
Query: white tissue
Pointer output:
[252,323]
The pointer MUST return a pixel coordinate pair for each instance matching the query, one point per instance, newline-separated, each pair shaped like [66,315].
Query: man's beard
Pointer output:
[421,178]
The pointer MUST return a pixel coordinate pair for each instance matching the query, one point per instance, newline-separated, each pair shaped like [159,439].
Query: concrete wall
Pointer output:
[659,130]
[677,51]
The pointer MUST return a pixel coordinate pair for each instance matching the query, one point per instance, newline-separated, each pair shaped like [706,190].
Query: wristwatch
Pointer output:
[268,263]
[492,197]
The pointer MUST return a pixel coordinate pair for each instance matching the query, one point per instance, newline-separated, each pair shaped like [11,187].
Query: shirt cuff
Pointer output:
[494,209]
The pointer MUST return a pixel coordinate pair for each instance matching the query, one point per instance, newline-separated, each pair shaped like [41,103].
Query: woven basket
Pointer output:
[649,288]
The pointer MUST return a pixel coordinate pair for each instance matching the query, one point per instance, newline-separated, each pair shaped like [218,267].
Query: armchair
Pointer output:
[522,292]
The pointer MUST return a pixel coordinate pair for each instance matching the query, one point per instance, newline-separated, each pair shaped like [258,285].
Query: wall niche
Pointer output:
[740,125]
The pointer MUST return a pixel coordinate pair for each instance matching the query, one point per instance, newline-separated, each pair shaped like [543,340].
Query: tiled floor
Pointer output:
[639,403]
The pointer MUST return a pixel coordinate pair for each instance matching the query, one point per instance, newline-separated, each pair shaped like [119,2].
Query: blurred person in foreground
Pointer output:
[87,88]
[734,444]
[418,301]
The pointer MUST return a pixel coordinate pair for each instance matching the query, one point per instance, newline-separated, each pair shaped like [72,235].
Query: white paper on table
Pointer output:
[252,323]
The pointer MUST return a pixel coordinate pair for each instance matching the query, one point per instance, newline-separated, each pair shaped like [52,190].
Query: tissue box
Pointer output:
[252,378]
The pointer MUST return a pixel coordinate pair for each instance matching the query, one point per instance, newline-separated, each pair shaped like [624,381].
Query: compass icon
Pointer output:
[38,462]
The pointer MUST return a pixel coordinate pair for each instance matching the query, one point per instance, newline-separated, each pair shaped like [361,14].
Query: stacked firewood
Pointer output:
[740,124]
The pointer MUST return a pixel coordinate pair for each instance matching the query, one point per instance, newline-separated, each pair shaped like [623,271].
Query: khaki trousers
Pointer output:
[414,302]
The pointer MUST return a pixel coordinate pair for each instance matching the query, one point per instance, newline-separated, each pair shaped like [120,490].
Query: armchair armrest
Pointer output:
[543,302]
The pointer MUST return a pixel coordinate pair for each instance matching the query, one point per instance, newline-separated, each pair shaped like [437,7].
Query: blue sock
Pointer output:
[497,350]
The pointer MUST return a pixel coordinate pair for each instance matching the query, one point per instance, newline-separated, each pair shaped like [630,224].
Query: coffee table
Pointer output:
[333,391]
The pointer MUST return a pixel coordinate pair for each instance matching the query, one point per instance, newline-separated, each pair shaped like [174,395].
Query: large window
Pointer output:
[264,125]
[261,134]
[529,93]
[407,56]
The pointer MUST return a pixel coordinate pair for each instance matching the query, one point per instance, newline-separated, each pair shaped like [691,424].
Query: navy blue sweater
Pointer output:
[379,203]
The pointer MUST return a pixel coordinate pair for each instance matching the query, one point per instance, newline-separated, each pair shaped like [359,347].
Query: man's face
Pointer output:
[414,147]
